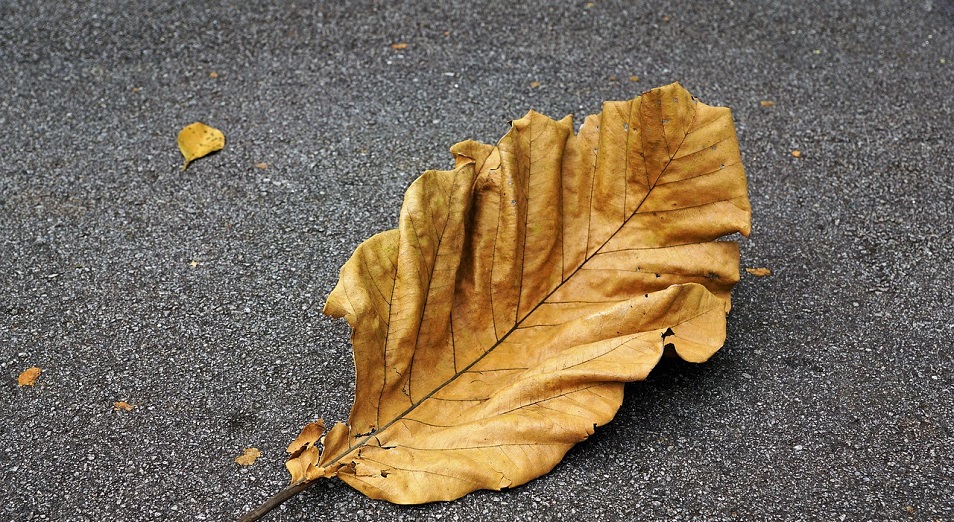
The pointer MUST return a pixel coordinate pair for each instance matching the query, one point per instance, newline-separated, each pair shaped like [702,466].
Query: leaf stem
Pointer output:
[275,500]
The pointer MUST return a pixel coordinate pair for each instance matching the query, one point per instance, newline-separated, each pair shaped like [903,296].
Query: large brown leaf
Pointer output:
[496,327]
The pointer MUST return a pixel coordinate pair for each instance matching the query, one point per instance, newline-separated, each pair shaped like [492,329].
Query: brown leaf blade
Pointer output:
[496,327]
[29,376]
[248,457]
[123,405]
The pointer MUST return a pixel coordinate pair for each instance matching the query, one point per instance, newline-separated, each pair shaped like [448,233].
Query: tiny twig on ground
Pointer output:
[274,501]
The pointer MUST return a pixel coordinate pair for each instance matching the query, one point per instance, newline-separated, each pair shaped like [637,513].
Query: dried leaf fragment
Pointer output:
[309,436]
[797,153]
[304,452]
[198,140]
[534,84]
[759,272]
[123,405]
[399,46]
[29,376]
[248,457]
[767,103]
[496,327]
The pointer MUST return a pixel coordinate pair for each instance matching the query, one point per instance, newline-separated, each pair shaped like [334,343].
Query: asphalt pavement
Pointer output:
[195,296]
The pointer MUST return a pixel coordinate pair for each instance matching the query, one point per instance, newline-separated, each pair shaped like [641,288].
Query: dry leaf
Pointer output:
[262,166]
[634,79]
[497,326]
[29,376]
[797,153]
[767,103]
[534,85]
[198,140]
[213,75]
[248,457]
[123,405]
[304,451]
[398,46]
[759,272]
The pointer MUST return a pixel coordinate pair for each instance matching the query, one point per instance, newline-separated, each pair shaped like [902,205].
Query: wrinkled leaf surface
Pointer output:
[496,327]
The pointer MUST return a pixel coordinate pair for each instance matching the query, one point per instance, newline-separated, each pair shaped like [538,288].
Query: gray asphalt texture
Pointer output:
[831,399]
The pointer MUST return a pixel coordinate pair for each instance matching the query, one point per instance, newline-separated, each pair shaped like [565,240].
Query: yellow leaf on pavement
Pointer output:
[497,326]
[198,140]
[247,458]
[29,376]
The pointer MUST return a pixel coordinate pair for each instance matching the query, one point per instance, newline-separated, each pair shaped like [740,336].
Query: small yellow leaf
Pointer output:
[247,458]
[29,376]
[767,103]
[634,79]
[399,46]
[123,405]
[213,75]
[534,85]
[797,153]
[194,263]
[198,140]
[759,272]
[262,166]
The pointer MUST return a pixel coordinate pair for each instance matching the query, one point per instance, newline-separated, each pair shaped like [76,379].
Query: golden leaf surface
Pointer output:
[248,457]
[198,140]
[496,327]
[123,405]
[29,376]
